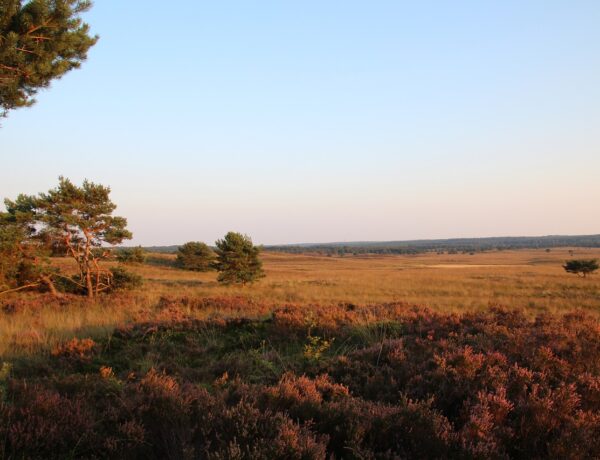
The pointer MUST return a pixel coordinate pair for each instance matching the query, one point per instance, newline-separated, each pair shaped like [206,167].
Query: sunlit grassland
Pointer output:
[529,280]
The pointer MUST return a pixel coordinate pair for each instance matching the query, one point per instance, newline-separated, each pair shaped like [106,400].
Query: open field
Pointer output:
[491,355]
[527,279]
[531,281]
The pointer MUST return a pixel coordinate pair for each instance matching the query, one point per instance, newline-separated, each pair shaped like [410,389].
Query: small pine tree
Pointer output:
[195,256]
[81,219]
[135,255]
[124,280]
[581,267]
[237,260]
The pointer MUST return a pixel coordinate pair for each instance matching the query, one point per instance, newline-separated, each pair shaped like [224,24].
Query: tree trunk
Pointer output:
[88,269]
[88,284]
[50,285]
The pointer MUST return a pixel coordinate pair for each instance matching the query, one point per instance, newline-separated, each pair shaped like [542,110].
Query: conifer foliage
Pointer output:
[40,40]
[80,217]
[23,250]
[195,256]
[237,260]
[582,267]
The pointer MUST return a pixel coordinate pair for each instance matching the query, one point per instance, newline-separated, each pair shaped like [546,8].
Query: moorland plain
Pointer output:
[531,281]
[426,356]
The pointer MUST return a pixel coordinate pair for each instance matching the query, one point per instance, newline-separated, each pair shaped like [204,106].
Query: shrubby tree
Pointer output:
[237,260]
[40,40]
[581,267]
[23,255]
[195,256]
[135,255]
[124,279]
[81,219]
[10,254]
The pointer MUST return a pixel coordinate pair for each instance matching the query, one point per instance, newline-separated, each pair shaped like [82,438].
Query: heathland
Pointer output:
[532,281]
[487,355]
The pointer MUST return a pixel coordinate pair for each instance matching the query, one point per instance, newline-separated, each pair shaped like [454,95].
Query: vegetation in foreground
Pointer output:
[386,381]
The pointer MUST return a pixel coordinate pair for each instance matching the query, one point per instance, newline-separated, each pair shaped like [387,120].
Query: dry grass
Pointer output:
[532,280]
[529,280]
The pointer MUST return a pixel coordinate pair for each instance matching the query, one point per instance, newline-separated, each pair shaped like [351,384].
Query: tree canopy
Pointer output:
[40,40]
[581,267]
[80,218]
[237,260]
[23,252]
[195,256]
[135,255]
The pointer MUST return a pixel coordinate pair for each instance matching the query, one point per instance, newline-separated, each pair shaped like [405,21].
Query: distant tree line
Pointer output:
[450,246]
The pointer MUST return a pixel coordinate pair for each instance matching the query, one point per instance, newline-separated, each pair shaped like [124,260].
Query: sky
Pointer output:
[319,121]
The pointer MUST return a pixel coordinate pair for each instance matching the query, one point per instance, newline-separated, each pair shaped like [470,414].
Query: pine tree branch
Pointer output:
[20,288]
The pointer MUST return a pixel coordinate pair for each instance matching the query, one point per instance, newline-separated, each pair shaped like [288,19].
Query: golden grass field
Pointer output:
[529,280]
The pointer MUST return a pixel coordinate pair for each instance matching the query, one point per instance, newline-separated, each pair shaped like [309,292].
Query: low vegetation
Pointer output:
[393,381]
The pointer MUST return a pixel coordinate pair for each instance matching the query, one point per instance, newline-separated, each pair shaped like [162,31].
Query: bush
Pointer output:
[123,279]
[131,255]
[582,267]
[69,285]
[237,260]
[195,256]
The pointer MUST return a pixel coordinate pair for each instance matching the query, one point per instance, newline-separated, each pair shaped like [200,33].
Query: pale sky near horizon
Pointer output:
[319,121]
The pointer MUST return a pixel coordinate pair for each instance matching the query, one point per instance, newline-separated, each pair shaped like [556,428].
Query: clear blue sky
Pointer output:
[327,120]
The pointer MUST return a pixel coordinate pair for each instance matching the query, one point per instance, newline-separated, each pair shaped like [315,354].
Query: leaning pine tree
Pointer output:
[237,260]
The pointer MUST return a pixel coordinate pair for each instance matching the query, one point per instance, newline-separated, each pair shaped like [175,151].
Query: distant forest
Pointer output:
[450,246]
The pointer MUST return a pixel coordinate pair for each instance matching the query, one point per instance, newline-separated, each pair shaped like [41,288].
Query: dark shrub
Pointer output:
[582,267]
[131,255]
[123,279]
[195,256]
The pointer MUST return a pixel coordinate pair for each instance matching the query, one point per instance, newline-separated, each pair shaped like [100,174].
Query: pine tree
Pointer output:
[237,260]
[195,256]
[40,41]
[135,255]
[81,219]
[23,253]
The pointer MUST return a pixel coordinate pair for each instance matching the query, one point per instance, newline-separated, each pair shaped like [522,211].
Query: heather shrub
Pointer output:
[413,384]
[75,349]
[42,424]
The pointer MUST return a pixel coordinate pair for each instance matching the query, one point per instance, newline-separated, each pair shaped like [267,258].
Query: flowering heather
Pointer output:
[412,384]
